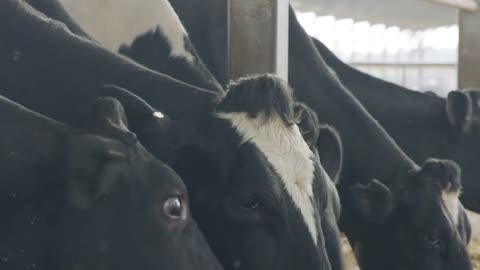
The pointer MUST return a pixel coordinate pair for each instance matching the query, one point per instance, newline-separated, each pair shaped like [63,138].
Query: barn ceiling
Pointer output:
[407,14]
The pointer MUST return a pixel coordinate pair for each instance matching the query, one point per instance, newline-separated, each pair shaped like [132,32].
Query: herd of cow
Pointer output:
[99,148]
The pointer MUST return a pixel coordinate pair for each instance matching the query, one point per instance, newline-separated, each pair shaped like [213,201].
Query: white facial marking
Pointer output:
[158,115]
[114,22]
[288,153]
[452,203]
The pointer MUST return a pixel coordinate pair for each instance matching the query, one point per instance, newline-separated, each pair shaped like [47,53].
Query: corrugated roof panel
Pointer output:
[407,14]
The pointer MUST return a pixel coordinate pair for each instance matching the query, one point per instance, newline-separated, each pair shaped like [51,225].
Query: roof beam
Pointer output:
[469,5]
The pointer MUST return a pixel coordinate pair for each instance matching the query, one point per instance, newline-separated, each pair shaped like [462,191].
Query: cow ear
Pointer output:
[307,121]
[104,110]
[374,201]
[459,112]
[94,164]
[330,150]
[106,116]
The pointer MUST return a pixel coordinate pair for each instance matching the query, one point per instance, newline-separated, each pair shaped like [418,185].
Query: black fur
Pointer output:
[261,95]
[307,121]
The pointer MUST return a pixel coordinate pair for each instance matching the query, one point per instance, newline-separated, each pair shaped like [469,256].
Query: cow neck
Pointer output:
[206,23]
[400,110]
[383,99]
[369,151]
[30,31]
[32,144]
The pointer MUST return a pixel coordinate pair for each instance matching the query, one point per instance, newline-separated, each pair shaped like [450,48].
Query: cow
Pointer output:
[90,196]
[423,125]
[378,184]
[254,185]
[383,212]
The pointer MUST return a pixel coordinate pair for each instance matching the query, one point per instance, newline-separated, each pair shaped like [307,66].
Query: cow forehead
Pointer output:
[287,152]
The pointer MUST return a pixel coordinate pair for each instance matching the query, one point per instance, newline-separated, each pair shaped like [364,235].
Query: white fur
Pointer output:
[113,22]
[285,148]
[452,203]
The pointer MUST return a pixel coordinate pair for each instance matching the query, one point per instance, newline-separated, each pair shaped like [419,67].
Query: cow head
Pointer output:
[463,112]
[126,209]
[417,224]
[254,180]
[113,206]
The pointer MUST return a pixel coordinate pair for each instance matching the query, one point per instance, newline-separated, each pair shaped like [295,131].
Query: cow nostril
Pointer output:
[174,208]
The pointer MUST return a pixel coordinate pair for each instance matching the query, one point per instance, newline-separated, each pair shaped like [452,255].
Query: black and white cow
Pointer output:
[378,214]
[424,125]
[255,186]
[90,197]
[408,219]
[208,31]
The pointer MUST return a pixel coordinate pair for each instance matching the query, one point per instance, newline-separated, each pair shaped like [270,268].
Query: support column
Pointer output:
[258,37]
[469,49]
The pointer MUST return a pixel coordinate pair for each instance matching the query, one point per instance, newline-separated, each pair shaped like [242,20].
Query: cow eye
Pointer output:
[249,204]
[174,208]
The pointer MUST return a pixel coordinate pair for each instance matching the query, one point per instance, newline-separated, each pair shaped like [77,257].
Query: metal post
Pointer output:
[258,37]
[469,49]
